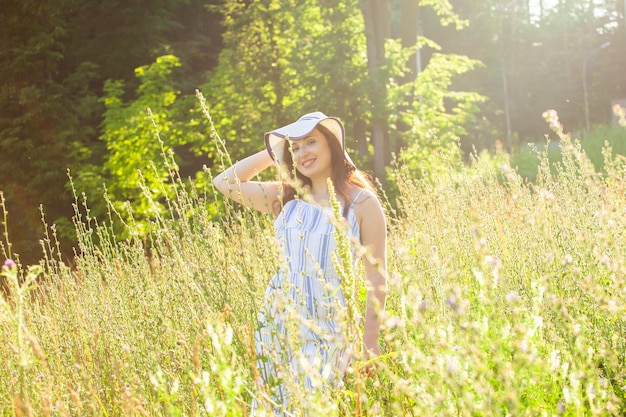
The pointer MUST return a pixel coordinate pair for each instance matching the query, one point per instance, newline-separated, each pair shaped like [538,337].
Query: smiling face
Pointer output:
[312,156]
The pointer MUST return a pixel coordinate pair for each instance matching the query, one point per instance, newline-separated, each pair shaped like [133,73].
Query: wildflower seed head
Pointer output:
[455,304]
[568,259]
[9,264]
[493,261]
[512,297]
[451,302]
[393,322]
[605,260]
[546,195]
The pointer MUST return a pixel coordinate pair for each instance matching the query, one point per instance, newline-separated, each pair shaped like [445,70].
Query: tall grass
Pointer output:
[505,298]
[593,142]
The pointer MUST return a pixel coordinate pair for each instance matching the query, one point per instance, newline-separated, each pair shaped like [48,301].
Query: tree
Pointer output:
[312,55]
[54,62]
[376,16]
[141,170]
[533,60]
[42,110]
[282,59]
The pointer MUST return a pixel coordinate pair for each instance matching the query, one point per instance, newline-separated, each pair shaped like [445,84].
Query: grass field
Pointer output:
[505,298]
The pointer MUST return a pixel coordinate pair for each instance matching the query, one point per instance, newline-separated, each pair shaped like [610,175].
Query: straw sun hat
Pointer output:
[276,140]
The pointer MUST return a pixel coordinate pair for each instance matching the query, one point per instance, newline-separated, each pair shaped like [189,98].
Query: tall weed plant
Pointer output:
[593,142]
[505,298]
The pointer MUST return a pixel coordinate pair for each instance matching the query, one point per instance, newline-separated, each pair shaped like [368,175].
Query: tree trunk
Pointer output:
[377,17]
[409,31]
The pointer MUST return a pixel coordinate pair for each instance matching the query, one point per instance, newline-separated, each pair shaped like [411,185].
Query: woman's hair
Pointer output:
[344,173]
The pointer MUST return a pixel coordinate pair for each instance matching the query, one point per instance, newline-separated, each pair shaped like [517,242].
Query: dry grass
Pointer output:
[505,299]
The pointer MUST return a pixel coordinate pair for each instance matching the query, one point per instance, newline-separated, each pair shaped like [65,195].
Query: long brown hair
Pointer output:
[343,174]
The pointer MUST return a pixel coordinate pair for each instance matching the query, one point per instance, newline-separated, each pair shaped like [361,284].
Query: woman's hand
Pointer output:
[372,351]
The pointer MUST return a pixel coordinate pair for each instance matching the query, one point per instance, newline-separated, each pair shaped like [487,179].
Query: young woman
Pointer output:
[307,289]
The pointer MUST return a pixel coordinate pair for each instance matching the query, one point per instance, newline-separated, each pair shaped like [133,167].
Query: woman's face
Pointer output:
[312,156]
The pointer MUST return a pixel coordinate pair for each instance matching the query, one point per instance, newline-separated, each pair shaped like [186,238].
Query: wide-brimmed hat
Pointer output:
[276,140]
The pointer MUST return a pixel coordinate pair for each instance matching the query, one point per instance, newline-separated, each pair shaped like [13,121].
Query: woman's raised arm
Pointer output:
[235,183]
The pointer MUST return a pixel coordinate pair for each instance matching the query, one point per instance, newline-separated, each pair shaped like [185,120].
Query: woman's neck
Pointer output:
[321,195]
[319,191]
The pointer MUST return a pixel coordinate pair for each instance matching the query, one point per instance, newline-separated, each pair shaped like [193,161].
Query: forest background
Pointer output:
[409,78]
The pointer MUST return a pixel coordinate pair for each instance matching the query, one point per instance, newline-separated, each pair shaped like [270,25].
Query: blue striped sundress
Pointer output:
[301,336]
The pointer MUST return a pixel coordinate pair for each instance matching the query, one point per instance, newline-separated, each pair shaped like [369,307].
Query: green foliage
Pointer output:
[54,60]
[444,10]
[141,162]
[130,131]
[436,116]
[38,116]
[119,37]
[533,54]
[282,59]
[297,51]
[594,143]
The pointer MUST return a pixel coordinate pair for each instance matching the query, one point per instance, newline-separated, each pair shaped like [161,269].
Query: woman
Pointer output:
[302,329]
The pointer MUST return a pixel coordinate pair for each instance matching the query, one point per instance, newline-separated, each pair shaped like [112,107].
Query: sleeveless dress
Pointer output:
[301,335]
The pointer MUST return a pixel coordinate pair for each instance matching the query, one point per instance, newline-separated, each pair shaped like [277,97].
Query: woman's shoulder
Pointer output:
[365,204]
[362,195]
[369,213]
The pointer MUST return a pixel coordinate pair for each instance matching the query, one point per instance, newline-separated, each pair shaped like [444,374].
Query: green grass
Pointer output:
[593,143]
[506,298]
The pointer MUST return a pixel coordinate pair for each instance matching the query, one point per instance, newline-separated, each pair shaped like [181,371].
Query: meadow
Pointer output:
[506,298]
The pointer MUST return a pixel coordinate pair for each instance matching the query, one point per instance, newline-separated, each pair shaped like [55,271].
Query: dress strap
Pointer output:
[356,197]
